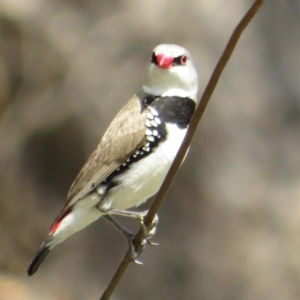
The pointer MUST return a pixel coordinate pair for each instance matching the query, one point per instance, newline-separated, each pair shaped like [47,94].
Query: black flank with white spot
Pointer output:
[174,110]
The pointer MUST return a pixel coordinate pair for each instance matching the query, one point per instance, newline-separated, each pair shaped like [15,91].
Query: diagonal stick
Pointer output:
[187,140]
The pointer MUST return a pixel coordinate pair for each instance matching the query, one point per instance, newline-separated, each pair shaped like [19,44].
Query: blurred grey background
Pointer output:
[230,225]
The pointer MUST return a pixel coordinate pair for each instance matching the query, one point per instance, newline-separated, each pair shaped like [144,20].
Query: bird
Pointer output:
[136,151]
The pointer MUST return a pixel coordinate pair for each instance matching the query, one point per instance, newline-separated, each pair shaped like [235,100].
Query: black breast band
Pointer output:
[175,110]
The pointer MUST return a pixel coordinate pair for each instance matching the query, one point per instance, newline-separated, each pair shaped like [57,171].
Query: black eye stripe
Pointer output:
[153,59]
[177,60]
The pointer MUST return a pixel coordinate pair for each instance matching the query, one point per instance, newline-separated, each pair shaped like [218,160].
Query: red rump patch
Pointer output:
[59,219]
[54,227]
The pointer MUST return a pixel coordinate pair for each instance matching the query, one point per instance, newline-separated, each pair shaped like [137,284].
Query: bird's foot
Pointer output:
[136,250]
[148,232]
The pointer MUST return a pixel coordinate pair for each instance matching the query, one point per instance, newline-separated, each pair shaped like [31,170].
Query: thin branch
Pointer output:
[187,141]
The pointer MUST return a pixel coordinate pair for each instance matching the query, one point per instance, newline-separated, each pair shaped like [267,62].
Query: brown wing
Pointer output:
[123,137]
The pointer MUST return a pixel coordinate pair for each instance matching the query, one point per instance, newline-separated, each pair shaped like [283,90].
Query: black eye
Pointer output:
[153,58]
[183,59]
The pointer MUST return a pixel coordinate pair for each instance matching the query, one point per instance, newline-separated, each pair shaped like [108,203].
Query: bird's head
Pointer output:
[171,72]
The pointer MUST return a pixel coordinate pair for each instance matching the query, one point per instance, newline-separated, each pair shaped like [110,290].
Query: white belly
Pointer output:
[139,183]
[145,177]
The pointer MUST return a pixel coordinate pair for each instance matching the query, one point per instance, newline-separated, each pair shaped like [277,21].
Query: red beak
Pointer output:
[164,61]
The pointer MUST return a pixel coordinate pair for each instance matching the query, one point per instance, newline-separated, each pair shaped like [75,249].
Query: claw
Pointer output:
[149,232]
[134,251]
[152,243]
[138,262]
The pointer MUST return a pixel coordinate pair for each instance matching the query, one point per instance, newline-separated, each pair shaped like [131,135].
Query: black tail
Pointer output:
[38,259]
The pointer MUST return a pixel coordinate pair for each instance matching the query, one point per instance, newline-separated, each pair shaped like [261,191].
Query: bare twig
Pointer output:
[187,141]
